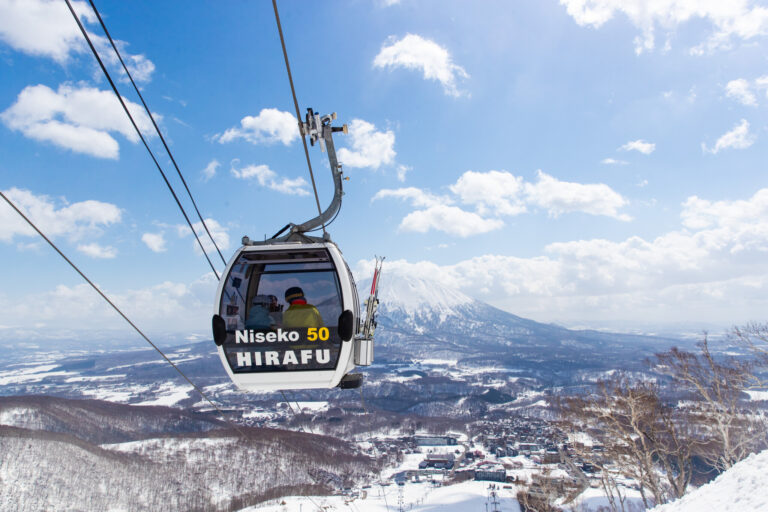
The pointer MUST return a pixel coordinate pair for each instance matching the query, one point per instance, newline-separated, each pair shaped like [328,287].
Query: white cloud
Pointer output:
[738,138]
[74,221]
[155,241]
[496,192]
[270,126]
[210,170]
[639,145]
[613,161]
[762,83]
[739,90]
[140,67]
[95,250]
[734,19]
[714,268]
[369,147]
[559,197]
[266,177]
[415,52]
[45,28]
[436,212]
[701,214]
[218,232]
[417,197]
[166,307]
[402,170]
[76,118]
[449,219]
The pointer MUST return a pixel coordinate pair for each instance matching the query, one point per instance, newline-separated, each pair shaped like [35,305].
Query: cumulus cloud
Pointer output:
[95,250]
[496,194]
[369,148]
[613,161]
[73,221]
[739,90]
[418,53]
[76,118]
[155,241]
[270,126]
[45,28]
[268,178]
[437,213]
[559,197]
[714,267]
[448,219]
[210,170]
[738,138]
[745,91]
[640,146]
[732,20]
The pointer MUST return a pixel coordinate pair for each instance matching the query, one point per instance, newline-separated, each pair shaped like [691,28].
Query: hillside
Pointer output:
[217,469]
[740,489]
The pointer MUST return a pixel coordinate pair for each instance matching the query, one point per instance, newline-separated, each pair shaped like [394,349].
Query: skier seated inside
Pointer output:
[258,316]
[299,313]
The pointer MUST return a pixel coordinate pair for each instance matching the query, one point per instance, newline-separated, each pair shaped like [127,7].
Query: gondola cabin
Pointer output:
[287,315]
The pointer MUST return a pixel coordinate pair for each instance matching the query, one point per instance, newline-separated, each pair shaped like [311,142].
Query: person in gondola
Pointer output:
[258,315]
[275,311]
[299,313]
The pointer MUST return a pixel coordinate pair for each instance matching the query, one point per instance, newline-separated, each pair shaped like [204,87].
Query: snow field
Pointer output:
[417,497]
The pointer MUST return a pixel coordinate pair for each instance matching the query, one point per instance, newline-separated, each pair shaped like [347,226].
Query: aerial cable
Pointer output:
[157,129]
[141,136]
[296,106]
[295,416]
[103,296]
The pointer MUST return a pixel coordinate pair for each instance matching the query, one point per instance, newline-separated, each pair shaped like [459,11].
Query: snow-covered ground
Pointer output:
[740,489]
[416,497]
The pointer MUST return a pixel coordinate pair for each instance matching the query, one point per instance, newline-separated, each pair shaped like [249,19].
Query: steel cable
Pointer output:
[141,136]
[117,309]
[296,106]
[157,129]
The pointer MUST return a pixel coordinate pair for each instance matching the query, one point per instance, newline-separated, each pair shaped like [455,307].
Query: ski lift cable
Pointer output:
[295,415]
[296,106]
[141,333]
[157,129]
[117,309]
[141,136]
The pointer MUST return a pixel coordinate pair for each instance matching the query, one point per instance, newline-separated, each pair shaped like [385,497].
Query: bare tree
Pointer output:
[754,337]
[727,427]
[642,438]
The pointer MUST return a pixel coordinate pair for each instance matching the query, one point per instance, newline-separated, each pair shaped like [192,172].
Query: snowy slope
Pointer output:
[413,294]
[740,489]
[464,497]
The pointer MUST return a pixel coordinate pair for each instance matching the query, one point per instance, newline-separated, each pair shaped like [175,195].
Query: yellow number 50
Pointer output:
[313,334]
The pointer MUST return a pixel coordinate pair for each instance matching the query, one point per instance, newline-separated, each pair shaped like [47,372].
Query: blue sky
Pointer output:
[588,163]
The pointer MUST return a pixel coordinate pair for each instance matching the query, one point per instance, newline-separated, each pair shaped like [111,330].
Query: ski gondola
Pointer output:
[287,311]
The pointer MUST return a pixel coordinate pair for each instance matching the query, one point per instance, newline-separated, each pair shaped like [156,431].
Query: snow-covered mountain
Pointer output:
[421,318]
